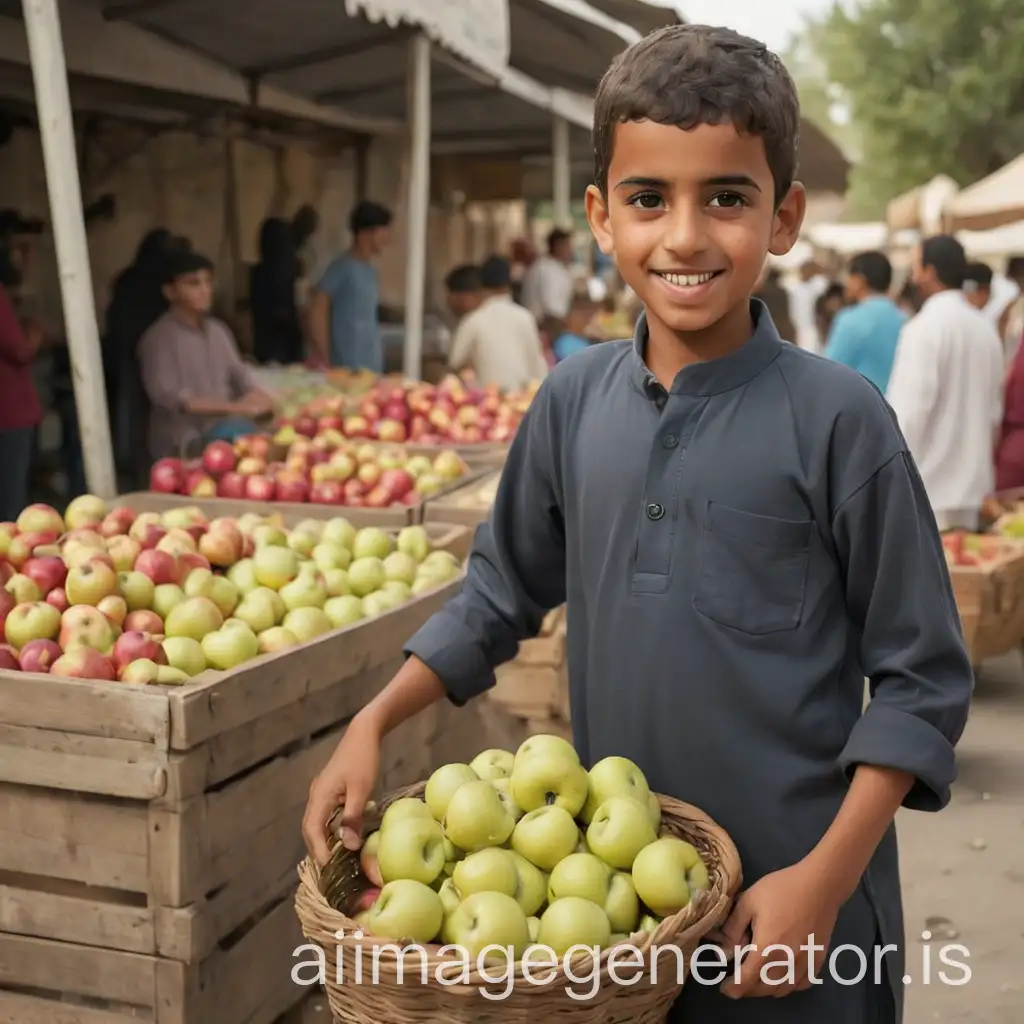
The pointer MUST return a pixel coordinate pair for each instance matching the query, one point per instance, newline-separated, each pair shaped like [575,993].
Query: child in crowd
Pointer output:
[740,537]
[576,335]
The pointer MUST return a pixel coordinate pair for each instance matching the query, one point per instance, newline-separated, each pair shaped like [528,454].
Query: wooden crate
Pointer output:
[145,830]
[535,685]
[468,505]
[990,599]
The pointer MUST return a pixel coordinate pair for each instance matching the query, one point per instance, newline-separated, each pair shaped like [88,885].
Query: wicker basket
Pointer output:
[397,999]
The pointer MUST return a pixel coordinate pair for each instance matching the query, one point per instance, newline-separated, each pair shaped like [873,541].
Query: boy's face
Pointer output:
[689,219]
[192,292]
[378,239]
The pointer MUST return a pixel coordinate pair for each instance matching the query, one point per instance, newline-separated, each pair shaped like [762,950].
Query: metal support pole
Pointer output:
[562,172]
[56,127]
[418,203]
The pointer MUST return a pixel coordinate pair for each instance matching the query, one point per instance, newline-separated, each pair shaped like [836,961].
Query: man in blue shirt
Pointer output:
[865,334]
[344,323]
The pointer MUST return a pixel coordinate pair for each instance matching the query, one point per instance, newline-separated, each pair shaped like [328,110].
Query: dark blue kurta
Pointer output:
[737,555]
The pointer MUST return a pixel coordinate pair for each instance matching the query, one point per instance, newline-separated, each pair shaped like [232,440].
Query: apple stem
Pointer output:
[550,798]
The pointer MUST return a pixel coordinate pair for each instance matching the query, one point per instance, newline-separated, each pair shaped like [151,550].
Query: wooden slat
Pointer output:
[81,774]
[21,1009]
[78,706]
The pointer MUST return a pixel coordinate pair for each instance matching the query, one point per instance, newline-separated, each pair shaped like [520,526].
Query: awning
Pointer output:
[991,202]
[639,15]
[921,208]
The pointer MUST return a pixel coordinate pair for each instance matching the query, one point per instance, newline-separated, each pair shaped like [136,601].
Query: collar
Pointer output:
[716,375]
[946,296]
[180,321]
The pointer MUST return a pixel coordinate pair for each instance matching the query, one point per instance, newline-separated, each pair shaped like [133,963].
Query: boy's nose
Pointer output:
[685,234]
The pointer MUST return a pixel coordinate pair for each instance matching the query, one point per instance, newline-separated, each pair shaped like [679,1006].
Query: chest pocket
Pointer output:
[752,570]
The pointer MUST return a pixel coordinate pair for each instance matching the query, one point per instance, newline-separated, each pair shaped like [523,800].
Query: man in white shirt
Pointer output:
[548,285]
[946,387]
[803,299]
[499,339]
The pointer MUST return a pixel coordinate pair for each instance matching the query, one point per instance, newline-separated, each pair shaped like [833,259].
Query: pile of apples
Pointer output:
[323,470]
[963,549]
[524,850]
[398,412]
[105,593]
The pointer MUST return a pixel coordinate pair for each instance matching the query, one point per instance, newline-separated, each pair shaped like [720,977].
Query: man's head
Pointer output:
[560,245]
[869,273]
[463,288]
[581,314]
[496,275]
[940,264]
[188,282]
[370,224]
[977,284]
[696,131]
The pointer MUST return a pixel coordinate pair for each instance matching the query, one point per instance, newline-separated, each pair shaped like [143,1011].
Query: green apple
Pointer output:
[185,654]
[277,638]
[414,541]
[667,873]
[306,591]
[301,543]
[649,924]
[137,589]
[534,925]
[441,558]
[489,870]
[167,597]
[331,556]
[622,904]
[261,609]
[406,909]
[268,535]
[620,829]
[487,919]
[436,573]
[339,531]
[580,874]
[275,566]
[224,594]
[399,592]
[314,527]
[197,583]
[411,848]
[424,585]
[545,836]
[493,764]
[167,675]
[365,575]
[407,807]
[343,611]
[654,810]
[336,581]
[368,859]
[379,603]
[547,770]
[450,898]
[574,921]
[372,542]
[613,776]
[194,617]
[227,648]
[504,788]
[531,884]
[140,671]
[243,575]
[441,786]
[400,567]
[452,856]
[476,817]
[307,623]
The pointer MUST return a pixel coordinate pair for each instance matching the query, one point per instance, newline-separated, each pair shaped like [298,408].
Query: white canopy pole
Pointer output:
[56,127]
[418,203]
[562,171]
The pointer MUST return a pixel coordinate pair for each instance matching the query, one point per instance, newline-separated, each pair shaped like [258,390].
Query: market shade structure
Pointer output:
[921,208]
[991,202]
[640,15]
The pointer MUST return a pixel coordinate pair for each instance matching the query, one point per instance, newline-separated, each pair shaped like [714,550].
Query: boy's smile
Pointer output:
[689,218]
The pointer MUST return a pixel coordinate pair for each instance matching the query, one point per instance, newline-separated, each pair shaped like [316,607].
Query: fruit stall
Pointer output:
[534,869]
[169,687]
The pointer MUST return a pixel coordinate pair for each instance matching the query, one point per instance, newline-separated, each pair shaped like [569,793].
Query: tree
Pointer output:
[931,86]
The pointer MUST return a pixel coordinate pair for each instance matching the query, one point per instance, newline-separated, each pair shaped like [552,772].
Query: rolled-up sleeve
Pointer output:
[912,651]
[516,569]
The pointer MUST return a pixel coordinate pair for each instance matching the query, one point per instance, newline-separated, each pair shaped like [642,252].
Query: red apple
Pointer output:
[379,497]
[353,490]
[219,458]
[117,521]
[189,560]
[39,655]
[398,482]
[84,663]
[259,447]
[144,621]
[222,547]
[202,486]
[292,488]
[7,603]
[231,485]
[369,474]
[133,645]
[330,492]
[331,423]
[391,430]
[398,411]
[167,476]
[306,425]
[9,659]
[59,599]
[159,566]
[48,573]
[252,467]
[259,488]
[357,426]
[41,518]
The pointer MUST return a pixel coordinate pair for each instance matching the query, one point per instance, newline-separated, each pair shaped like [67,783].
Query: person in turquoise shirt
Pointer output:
[864,335]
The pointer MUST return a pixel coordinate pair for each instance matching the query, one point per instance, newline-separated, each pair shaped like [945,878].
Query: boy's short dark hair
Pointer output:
[875,268]
[686,75]
[368,216]
[978,274]
[946,256]
[181,262]
[555,238]
[495,273]
[463,280]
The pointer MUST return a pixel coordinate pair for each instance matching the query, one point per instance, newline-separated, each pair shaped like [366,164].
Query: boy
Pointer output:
[499,339]
[741,538]
[343,315]
[190,365]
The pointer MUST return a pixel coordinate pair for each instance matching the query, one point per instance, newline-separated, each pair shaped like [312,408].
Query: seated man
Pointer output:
[499,339]
[196,381]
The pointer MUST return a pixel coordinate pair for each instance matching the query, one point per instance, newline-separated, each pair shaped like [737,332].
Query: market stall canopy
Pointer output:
[921,208]
[991,202]
[640,15]
[999,243]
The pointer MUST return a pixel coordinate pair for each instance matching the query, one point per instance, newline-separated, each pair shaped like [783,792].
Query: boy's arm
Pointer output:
[515,576]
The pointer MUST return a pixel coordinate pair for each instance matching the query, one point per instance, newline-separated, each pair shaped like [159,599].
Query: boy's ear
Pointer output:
[789,219]
[597,216]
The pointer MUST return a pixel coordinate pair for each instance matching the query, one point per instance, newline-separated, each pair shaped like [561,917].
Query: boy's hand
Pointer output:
[789,909]
[347,780]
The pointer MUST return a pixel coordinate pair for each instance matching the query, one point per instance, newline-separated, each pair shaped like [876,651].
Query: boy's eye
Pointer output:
[729,200]
[644,200]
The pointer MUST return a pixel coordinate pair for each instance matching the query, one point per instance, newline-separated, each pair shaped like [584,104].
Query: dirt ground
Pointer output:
[963,871]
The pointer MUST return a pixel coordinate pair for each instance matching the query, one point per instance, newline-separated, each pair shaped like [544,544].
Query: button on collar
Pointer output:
[655,511]
[669,441]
